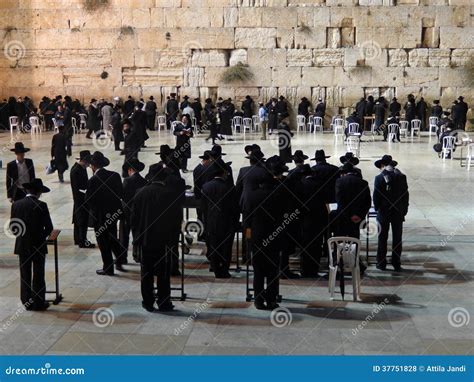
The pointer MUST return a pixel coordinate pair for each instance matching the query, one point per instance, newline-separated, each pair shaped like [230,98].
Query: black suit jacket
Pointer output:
[104,195]
[32,218]
[327,175]
[131,185]
[12,176]
[352,196]
[79,181]
[248,180]
[391,197]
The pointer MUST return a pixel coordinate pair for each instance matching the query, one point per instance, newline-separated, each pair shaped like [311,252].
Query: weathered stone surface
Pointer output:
[318,76]
[418,57]
[286,76]
[460,57]
[238,55]
[452,37]
[255,37]
[208,58]
[267,58]
[439,57]
[299,57]
[397,57]
[328,57]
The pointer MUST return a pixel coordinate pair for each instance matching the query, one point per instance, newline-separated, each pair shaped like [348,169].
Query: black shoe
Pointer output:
[41,307]
[176,272]
[87,244]
[398,268]
[148,308]
[381,267]
[289,275]
[102,272]
[166,307]
[223,275]
[272,305]
[120,268]
[260,305]
[309,275]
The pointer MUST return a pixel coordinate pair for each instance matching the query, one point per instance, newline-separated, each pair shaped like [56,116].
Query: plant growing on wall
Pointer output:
[303,28]
[92,5]
[127,30]
[237,73]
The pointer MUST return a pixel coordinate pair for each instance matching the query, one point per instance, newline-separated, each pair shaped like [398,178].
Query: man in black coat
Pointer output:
[436,109]
[320,110]
[296,174]
[353,201]
[360,109]
[79,182]
[247,107]
[131,145]
[156,215]
[128,106]
[421,109]
[197,107]
[31,224]
[19,171]
[150,110]
[379,110]
[59,147]
[221,215]
[139,122]
[391,200]
[131,184]
[172,109]
[327,174]
[395,106]
[463,108]
[104,199]
[199,178]
[303,107]
[93,118]
[117,127]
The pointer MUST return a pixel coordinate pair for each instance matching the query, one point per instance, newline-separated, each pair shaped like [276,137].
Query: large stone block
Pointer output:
[285,38]
[286,76]
[422,76]
[418,57]
[387,77]
[267,58]
[250,17]
[281,17]
[313,38]
[193,77]
[317,76]
[397,57]
[300,57]
[328,57]
[461,57]
[151,77]
[237,56]
[452,37]
[255,37]
[208,58]
[439,57]
[184,17]
[452,77]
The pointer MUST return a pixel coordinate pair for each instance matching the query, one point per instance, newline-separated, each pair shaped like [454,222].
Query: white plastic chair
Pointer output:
[35,125]
[347,248]
[55,124]
[415,126]
[404,128]
[161,122]
[448,147]
[301,123]
[14,123]
[195,125]
[392,131]
[237,122]
[470,155]
[433,124]
[353,145]
[83,122]
[247,125]
[318,124]
[338,127]
[256,122]
[75,127]
[353,129]
[333,121]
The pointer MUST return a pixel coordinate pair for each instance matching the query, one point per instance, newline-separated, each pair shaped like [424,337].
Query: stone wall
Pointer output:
[335,49]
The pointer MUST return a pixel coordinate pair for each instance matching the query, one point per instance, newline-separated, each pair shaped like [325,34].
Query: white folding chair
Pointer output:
[161,122]
[14,123]
[318,124]
[415,126]
[353,129]
[404,128]
[247,125]
[35,125]
[433,124]
[353,145]
[75,127]
[392,131]
[55,124]
[195,125]
[237,122]
[448,147]
[470,155]
[83,121]
[301,123]
[256,122]
[347,249]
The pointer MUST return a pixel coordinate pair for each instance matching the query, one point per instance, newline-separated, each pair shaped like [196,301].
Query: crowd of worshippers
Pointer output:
[282,212]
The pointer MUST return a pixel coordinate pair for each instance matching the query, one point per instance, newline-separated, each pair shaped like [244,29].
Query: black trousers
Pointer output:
[109,244]
[184,163]
[124,237]
[156,262]
[266,270]
[397,230]
[151,121]
[33,284]
[81,220]
[219,252]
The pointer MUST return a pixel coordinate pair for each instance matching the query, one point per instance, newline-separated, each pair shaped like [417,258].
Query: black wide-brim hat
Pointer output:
[320,155]
[299,155]
[385,161]
[349,157]
[206,155]
[164,150]
[98,159]
[36,186]
[216,151]
[135,164]
[256,155]
[84,155]
[20,148]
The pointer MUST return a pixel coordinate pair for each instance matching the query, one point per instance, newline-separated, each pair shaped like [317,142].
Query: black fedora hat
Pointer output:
[349,157]
[20,148]
[93,100]
[84,155]
[36,185]
[299,156]
[206,155]
[276,166]
[386,160]
[216,151]
[134,164]
[346,168]
[98,159]
[164,150]
[256,155]
[320,155]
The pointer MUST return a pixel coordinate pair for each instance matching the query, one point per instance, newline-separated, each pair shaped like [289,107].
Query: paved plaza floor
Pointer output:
[424,310]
